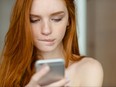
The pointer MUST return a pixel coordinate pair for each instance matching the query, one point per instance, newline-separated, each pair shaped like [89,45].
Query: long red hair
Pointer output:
[19,54]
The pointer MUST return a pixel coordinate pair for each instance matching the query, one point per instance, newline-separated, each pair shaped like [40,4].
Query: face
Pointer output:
[49,19]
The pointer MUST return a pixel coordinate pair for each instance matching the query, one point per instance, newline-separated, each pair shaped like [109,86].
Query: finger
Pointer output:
[37,76]
[59,83]
[31,85]
[67,85]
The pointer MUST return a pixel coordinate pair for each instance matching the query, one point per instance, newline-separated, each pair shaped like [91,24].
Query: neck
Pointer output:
[57,53]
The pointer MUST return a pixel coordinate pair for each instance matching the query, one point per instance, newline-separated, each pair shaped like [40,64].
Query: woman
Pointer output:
[44,30]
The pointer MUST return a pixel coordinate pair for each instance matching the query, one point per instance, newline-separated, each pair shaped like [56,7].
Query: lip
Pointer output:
[47,40]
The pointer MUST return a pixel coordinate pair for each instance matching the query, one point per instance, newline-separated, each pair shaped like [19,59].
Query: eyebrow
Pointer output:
[56,13]
[53,14]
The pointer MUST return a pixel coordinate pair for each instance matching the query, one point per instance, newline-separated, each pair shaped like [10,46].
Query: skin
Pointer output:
[86,73]
[48,29]
[49,26]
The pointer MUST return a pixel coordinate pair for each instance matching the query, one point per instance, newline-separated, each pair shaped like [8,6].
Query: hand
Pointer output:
[38,76]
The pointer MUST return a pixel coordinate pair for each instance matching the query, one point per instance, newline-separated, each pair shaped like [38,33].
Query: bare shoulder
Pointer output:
[89,62]
[90,72]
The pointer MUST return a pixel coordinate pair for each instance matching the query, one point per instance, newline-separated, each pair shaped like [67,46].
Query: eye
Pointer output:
[34,20]
[57,20]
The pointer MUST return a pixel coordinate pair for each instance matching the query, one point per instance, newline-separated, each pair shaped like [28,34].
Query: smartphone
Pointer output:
[57,70]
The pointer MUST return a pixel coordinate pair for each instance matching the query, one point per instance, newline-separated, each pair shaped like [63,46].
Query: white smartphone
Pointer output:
[57,70]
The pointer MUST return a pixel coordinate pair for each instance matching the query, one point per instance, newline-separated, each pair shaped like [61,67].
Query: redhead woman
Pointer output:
[45,29]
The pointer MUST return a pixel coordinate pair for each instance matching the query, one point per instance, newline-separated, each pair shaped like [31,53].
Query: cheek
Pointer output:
[35,31]
[61,32]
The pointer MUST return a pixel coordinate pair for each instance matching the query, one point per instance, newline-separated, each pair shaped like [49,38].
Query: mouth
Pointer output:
[47,40]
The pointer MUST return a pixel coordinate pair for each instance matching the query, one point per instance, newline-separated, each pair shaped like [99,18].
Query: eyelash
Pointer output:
[56,20]
[34,21]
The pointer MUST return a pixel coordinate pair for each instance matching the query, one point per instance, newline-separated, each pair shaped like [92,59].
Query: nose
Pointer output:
[46,30]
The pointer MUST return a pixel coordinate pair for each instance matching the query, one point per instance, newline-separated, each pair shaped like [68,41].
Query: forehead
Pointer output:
[47,6]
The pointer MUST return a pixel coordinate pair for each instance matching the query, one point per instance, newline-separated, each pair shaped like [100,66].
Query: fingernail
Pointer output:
[46,67]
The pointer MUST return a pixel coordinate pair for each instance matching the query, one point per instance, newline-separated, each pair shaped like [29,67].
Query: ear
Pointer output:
[67,27]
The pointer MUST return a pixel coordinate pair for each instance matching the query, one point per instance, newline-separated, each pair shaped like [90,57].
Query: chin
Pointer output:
[47,49]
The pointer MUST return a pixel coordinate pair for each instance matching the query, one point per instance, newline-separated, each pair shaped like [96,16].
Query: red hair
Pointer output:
[19,54]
